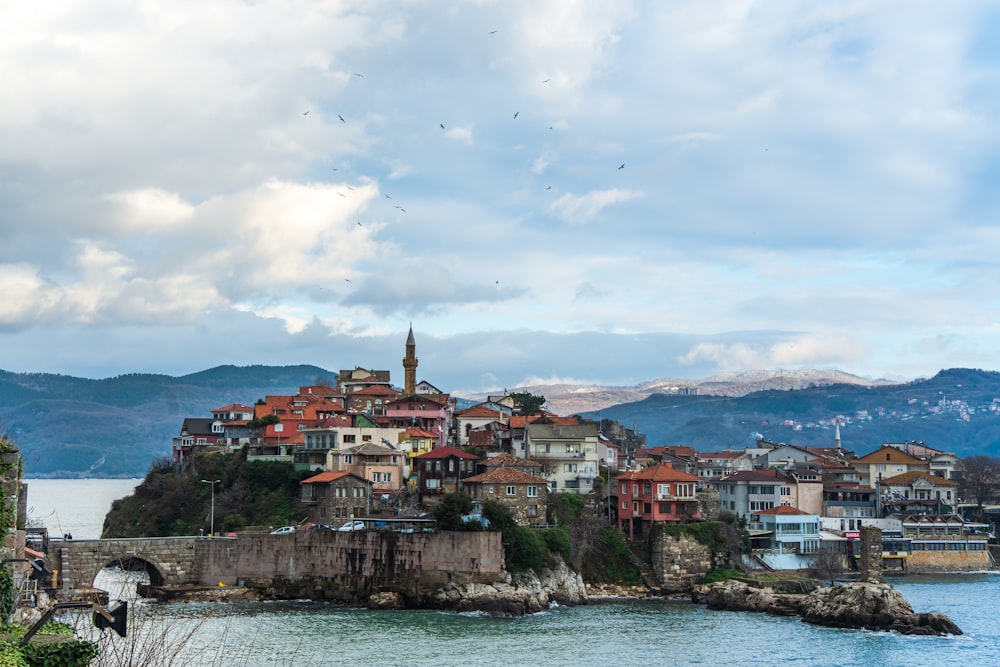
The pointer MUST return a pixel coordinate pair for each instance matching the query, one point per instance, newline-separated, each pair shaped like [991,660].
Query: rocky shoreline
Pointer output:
[857,605]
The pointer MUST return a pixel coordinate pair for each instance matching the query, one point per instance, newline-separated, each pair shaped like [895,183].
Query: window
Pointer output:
[376,477]
[366,438]
[542,448]
[532,491]
[511,490]
[532,510]
[664,508]
[491,489]
[436,484]
[348,459]
[569,467]
[387,477]
[349,438]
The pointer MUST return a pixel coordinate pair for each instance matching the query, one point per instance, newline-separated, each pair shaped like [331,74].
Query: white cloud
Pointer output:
[462,134]
[578,209]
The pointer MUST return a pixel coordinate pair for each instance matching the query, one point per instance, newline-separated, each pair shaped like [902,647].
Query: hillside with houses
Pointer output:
[366,451]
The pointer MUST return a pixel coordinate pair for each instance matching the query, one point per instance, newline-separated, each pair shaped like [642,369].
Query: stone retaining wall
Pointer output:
[678,562]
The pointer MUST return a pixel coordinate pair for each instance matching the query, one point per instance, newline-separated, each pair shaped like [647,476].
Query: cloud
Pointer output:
[576,209]
[462,134]
[809,350]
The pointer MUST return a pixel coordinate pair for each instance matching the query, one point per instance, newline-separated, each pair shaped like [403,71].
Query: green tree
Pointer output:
[448,513]
[261,422]
[526,403]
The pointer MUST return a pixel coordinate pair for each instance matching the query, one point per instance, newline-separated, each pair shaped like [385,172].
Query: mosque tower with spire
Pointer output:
[410,366]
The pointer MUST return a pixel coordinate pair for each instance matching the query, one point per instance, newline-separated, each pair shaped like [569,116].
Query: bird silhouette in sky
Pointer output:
[493,32]
[621,166]
[516,114]
[359,74]
[359,224]
[349,187]
[442,125]
[342,195]
[388,197]
[341,118]
[306,113]
[347,279]
[401,208]
[546,81]
[549,188]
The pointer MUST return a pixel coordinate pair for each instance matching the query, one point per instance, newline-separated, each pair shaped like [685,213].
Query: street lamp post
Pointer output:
[213,482]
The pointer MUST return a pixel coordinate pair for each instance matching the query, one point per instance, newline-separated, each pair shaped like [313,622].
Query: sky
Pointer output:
[547,191]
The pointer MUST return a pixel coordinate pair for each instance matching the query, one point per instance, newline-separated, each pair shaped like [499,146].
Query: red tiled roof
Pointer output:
[329,476]
[661,472]
[415,432]
[480,411]
[505,476]
[234,407]
[720,455]
[376,390]
[446,452]
[508,460]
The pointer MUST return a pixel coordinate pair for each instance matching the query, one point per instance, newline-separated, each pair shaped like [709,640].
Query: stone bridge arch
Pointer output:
[167,560]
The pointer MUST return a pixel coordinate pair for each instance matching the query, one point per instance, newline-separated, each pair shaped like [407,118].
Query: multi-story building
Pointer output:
[442,470]
[525,495]
[568,454]
[657,493]
[887,461]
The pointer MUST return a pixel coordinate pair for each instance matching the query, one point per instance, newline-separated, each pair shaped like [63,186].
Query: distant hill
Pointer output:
[957,410]
[67,427]
[578,398]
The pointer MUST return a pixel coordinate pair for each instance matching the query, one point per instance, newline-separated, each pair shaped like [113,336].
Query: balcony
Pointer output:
[666,496]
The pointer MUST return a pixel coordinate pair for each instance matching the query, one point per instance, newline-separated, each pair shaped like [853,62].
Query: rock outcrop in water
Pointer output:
[852,605]
[514,595]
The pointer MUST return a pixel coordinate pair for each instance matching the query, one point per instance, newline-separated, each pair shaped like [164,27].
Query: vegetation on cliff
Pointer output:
[169,502]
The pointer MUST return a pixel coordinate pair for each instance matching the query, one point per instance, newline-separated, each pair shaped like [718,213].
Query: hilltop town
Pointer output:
[367,449]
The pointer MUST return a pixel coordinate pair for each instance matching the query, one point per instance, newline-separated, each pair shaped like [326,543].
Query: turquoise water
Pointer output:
[606,632]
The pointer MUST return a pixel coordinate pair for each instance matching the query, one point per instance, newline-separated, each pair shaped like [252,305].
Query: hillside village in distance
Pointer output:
[377,451]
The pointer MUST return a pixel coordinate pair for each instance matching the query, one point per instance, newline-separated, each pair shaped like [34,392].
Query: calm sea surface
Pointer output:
[619,632]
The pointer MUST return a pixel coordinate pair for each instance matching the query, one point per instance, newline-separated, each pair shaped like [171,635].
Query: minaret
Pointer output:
[836,437]
[410,366]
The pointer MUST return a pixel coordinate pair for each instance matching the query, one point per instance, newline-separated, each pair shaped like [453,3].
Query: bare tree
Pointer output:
[980,481]
[829,562]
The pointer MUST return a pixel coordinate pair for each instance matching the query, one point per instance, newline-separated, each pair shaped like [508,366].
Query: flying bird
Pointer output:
[401,208]
[359,74]
[305,113]
[549,188]
[621,166]
[342,195]
[347,279]
[349,187]
[493,32]
[546,81]
[516,113]
[442,125]
[359,224]
[388,197]
[341,118]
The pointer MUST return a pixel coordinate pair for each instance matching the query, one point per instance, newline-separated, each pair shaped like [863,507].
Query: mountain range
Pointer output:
[74,427]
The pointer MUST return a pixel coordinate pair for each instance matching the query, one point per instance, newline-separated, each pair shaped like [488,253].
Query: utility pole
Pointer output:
[211,529]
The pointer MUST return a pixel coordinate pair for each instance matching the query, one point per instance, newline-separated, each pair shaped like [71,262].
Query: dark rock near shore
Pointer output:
[514,595]
[854,605]
[873,607]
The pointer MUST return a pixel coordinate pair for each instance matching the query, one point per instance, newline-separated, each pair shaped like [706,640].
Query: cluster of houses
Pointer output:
[799,501]
[371,444]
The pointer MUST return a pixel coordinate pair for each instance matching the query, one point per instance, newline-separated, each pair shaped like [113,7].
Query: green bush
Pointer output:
[525,549]
[557,540]
[720,574]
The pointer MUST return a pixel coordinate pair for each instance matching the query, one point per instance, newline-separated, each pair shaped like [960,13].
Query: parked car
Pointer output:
[351,526]
[284,530]
[321,526]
